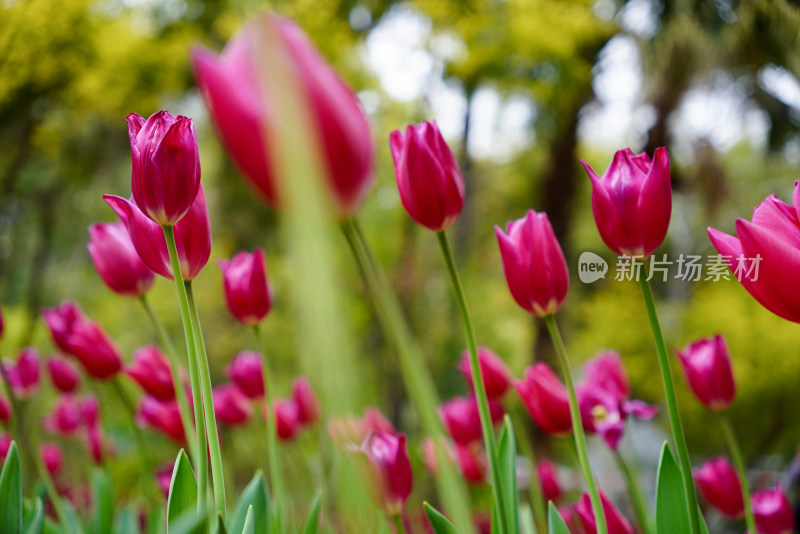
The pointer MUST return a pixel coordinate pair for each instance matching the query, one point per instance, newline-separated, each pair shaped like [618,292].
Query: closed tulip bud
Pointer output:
[546,399]
[162,416]
[5,410]
[615,521]
[65,420]
[462,420]
[606,371]
[76,335]
[237,91]
[706,365]
[286,417]
[192,236]
[390,468]
[230,406]
[534,264]
[773,512]
[247,293]
[151,370]
[496,376]
[308,408]
[632,202]
[117,261]
[52,457]
[166,165]
[428,177]
[548,479]
[246,372]
[63,374]
[23,374]
[90,411]
[720,486]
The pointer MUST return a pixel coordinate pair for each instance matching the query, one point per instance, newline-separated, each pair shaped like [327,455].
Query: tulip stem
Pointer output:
[201,465]
[138,435]
[738,460]
[416,377]
[535,487]
[684,460]
[636,495]
[577,426]
[398,524]
[174,365]
[479,388]
[217,473]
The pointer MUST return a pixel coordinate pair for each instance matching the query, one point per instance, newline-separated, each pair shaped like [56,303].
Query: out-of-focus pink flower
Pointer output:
[286,417]
[5,445]
[52,457]
[546,399]
[166,165]
[230,406]
[773,512]
[192,236]
[116,260]
[246,372]
[90,411]
[239,96]
[97,444]
[151,370]
[632,202]
[391,470]
[308,408]
[351,430]
[615,521]
[164,477]
[247,292]
[534,264]
[469,459]
[63,374]
[5,410]
[66,418]
[602,412]
[606,371]
[24,373]
[496,376]
[375,421]
[548,479]
[706,365]
[162,416]
[720,486]
[462,420]
[76,335]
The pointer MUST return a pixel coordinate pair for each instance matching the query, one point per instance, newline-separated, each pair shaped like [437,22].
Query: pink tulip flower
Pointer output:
[230,406]
[151,370]
[615,521]
[390,468]
[720,486]
[707,367]
[247,292]
[117,261]
[546,399]
[24,373]
[773,512]
[246,372]
[496,376]
[308,407]
[462,421]
[63,374]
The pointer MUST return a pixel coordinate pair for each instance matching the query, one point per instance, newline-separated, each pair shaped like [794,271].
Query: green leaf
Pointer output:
[555,523]
[103,499]
[248,521]
[703,525]
[34,520]
[312,520]
[671,513]
[190,522]
[221,525]
[507,456]
[182,490]
[156,524]
[527,524]
[11,492]
[439,523]
[126,522]
[255,495]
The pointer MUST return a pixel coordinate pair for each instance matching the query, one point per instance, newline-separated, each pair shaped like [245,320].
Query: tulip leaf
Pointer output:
[671,513]
[190,522]
[155,520]
[507,453]
[11,492]
[527,524]
[312,520]
[182,490]
[555,523]
[34,518]
[126,522]
[103,500]
[439,523]
[255,495]
[248,521]
[221,524]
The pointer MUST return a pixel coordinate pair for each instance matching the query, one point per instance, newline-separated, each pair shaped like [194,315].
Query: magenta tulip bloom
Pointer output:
[615,521]
[534,264]
[706,365]
[720,486]
[24,373]
[52,457]
[247,293]
[286,418]
[97,444]
[192,236]
[604,413]
[82,338]
[66,419]
[246,372]
[166,165]
[237,89]
[765,257]
[63,374]
[428,176]
[5,410]
[461,418]
[391,470]
[151,370]
[496,376]
[548,479]
[632,202]
[546,399]
[773,512]
[230,406]
[162,416]
[606,371]
[117,261]
[308,408]
[90,411]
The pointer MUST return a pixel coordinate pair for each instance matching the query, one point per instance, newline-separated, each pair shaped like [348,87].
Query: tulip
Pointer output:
[375,421]
[66,418]
[606,371]
[162,416]
[247,293]
[390,469]
[24,374]
[764,256]
[76,335]
[166,165]
[548,479]
[773,512]
[52,457]
[428,177]
[192,236]
[246,372]
[534,264]
[470,460]
[632,202]
[230,406]
[616,522]
[96,444]
[546,399]
[5,410]
[117,261]
[496,376]
[720,486]
[5,445]
[90,411]
[461,419]
[236,88]
[605,414]
[308,408]
[286,416]
[353,430]
[706,365]
[63,374]
[151,370]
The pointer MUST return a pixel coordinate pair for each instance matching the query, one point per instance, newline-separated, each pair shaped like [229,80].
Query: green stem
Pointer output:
[538,505]
[672,407]
[398,524]
[577,426]
[141,443]
[738,460]
[177,383]
[201,465]
[217,473]
[477,385]
[636,495]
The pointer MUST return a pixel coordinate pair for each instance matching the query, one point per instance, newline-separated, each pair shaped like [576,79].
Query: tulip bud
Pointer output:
[52,457]
[534,264]
[286,418]
[462,420]
[246,372]
[97,444]
[496,376]
[117,261]
[720,486]
[247,293]
[63,374]
[773,512]
[24,374]
[162,416]
[546,399]
[308,408]
[428,177]
[632,202]
[548,479]
[390,468]
[606,371]
[66,418]
[230,406]
[706,365]
[166,165]
[90,411]
[615,521]
[151,370]
[236,88]
[5,410]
